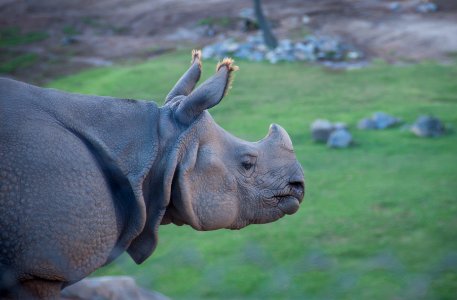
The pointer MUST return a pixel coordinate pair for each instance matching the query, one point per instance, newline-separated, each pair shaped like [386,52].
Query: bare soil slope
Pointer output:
[93,33]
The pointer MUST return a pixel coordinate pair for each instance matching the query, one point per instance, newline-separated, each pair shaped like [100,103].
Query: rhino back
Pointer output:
[65,190]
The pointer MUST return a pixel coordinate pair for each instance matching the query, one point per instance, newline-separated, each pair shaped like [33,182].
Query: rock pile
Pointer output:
[335,135]
[379,120]
[311,48]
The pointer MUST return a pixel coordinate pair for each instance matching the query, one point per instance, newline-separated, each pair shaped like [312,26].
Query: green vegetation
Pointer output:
[11,60]
[378,221]
[18,61]
[221,21]
[13,37]
[70,30]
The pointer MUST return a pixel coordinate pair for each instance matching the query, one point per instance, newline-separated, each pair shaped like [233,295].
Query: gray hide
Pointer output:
[84,178]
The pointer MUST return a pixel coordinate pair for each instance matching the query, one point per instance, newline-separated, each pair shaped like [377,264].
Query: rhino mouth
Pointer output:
[289,202]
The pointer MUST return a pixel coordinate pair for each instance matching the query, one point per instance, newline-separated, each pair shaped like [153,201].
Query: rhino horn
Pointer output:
[279,135]
[208,94]
[187,82]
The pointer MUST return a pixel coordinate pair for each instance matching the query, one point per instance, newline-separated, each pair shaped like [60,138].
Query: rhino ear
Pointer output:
[207,95]
[187,82]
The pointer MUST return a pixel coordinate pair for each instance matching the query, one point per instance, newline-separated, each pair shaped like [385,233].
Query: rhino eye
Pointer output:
[247,165]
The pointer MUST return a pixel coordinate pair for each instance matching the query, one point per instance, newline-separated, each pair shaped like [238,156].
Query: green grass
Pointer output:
[12,36]
[16,62]
[379,220]
[223,22]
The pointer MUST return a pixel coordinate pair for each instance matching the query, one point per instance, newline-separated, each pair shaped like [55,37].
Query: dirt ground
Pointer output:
[89,33]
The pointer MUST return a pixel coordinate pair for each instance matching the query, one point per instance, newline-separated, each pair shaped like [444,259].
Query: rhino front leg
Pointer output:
[39,289]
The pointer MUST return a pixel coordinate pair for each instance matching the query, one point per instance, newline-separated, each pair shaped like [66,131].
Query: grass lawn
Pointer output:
[379,220]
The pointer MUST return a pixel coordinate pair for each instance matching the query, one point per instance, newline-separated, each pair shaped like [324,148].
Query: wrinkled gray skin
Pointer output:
[84,178]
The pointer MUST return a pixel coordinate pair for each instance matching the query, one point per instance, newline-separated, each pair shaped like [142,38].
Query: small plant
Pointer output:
[13,37]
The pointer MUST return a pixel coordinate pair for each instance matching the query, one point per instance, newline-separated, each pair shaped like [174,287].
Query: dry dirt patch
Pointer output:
[95,33]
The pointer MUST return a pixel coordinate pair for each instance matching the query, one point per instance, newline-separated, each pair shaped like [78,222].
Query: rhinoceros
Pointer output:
[85,178]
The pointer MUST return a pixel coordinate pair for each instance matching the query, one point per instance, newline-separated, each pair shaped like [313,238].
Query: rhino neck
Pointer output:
[177,143]
[157,185]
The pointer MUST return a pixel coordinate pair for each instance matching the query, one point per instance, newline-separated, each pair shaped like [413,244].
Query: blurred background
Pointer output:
[367,90]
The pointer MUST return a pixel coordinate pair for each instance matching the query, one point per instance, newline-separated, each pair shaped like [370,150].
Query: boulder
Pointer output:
[427,126]
[379,120]
[109,288]
[340,138]
[366,123]
[321,130]
[384,120]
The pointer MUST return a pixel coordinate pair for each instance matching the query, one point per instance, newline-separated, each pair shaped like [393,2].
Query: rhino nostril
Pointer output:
[298,188]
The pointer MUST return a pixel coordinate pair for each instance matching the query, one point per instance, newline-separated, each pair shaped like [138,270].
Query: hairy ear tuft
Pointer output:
[229,64]
[187,82]
[197,55]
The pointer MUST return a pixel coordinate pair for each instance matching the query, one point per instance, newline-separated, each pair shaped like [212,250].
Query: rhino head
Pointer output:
[221,181]
[213,179]
[224,182]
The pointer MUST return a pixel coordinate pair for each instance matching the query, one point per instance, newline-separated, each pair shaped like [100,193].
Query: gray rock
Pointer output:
[366,123]
[340,138]
[243,51]
[379,120]
[256,56]
[306,19]
[321,130]
[384,120]
[286,44]
[247,13]
[272,57]
[427,126]
[427,7]
[232,47]
[353,55]
[329,49]
[394,6]
[109,288]
[255,39]
[305,51]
